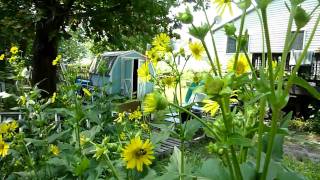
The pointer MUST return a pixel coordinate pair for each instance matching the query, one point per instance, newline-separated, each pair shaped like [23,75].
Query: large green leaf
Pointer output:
[191,128]
[237,139]
[248,171]
[56,136]
[303,83]
[213,169]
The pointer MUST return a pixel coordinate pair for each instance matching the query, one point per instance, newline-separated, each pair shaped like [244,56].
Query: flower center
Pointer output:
[141,152]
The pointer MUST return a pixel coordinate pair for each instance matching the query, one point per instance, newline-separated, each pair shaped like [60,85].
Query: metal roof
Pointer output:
[108,59]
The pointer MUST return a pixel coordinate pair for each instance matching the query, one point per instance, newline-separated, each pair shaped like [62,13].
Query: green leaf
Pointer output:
[301,17]
[55,136]
[237,139]
[35,142]
[303,83]
[213,169]
[248,171]
[82,166]
[191,128]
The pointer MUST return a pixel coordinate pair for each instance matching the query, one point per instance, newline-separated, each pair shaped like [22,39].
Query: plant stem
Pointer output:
[272,134]
[269,52]
[238,40]
[296,68]
[230,165]
[262,112]
[114,171]
[209,56]
[213,42]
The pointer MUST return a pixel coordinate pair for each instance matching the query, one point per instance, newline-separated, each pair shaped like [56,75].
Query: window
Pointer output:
[231,45]
[298,43]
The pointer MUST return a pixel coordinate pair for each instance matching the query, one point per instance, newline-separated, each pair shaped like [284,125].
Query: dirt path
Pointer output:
[303,146]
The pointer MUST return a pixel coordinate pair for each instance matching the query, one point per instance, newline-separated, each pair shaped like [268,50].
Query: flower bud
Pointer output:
[230,29]
[200,32]
[263,3]
[213,85]
[186,17]
[301,17]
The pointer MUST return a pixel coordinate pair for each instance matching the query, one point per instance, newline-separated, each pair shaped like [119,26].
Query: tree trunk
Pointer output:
[45,46]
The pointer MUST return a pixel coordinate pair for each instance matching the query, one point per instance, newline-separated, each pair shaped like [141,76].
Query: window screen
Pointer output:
[298,43]
[231,45]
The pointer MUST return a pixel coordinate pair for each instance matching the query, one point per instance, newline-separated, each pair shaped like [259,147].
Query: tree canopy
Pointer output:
[117,25]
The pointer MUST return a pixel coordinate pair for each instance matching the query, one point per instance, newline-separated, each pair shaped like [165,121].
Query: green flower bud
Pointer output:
[263,3]
[200,32]
[220,151]
[301,17]
[296,2]
[186,17]
[244,39]
[213,85]
[230,29]
[153,102]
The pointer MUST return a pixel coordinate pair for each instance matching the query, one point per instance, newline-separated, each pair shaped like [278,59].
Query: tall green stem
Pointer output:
[262,112]
[213,42]
[113,169]
[304,52]
[269,51]
[243,16]
[272,134]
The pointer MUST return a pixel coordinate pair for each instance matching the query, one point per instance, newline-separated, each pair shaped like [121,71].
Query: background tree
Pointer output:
[118,24]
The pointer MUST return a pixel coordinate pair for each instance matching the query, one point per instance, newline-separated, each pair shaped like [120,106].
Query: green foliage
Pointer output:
[306,167]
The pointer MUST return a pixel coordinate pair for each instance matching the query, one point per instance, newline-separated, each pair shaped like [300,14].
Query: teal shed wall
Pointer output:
[116,78]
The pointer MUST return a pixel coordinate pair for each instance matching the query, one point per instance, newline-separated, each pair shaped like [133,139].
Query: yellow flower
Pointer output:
[53,98]
[14,49]
[153,55]
[57,60]
[12,59]
[154,101]
[3,128]
[145,127]
[99,151]
[120,117]
[196,49]
[23,100]
[169,81]
[2,57]
[162,42]
[211,106]
[242,65]
[54,149]
[222,5]
[83,139]
[138,153]
[136,115]
[274,64]
[86,92]
[123,136]
[4,147]
[143,72]
[12,126]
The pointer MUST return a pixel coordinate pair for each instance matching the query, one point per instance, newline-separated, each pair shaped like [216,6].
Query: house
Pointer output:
[278,17]
[118,71]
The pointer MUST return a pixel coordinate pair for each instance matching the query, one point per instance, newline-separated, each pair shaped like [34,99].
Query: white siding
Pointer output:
[278,16]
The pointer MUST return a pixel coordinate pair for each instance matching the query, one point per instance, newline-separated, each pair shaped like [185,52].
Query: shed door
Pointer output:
[127,78]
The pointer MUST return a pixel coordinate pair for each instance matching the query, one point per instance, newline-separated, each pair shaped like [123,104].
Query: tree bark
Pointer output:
[45,46]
